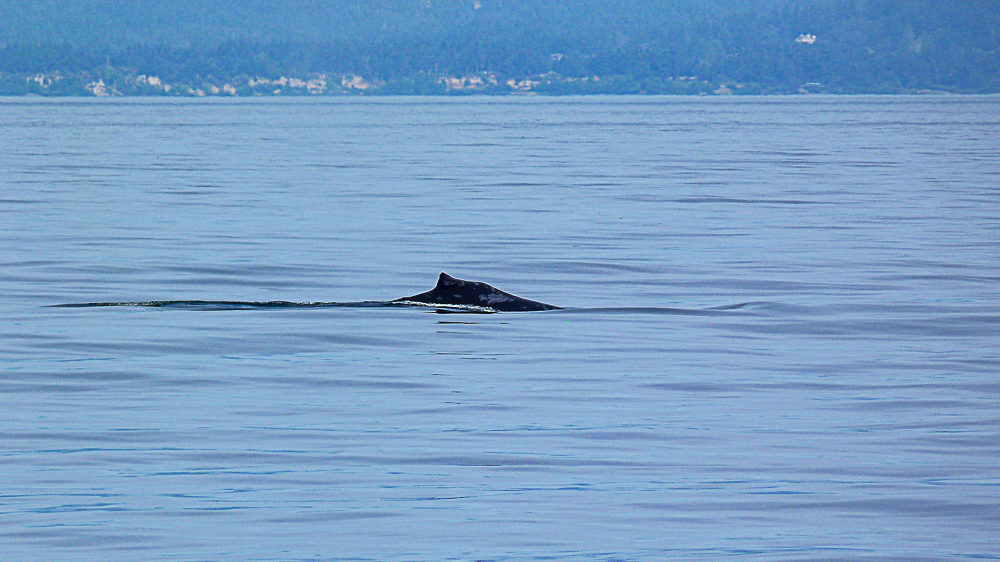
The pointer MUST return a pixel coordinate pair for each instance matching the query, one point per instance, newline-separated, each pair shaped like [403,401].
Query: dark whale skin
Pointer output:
[450,290]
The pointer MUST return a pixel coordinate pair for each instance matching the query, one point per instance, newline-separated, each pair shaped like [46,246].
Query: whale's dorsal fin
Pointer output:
[445,280]
[454,291]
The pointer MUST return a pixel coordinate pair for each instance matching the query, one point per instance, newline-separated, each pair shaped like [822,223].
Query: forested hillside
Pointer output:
[313,47]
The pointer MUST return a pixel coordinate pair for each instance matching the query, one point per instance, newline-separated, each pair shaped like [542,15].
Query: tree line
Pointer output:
[571,46]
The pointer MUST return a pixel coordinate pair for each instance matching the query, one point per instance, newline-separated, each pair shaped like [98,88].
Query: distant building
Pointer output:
[355,82]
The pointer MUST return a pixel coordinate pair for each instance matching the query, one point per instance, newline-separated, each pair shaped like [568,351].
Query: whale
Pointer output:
[449,295]
[458,294]
[452,291]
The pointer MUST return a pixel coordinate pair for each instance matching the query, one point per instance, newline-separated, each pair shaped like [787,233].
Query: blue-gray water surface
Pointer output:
[780,338]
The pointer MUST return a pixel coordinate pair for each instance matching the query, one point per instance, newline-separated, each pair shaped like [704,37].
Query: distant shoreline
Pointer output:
[119,82]
[83,48]
[372,96]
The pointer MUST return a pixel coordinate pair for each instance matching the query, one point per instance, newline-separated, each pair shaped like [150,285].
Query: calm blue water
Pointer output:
[850,408]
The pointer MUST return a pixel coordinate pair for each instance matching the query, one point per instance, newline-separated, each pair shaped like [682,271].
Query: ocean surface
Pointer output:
[780,341]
